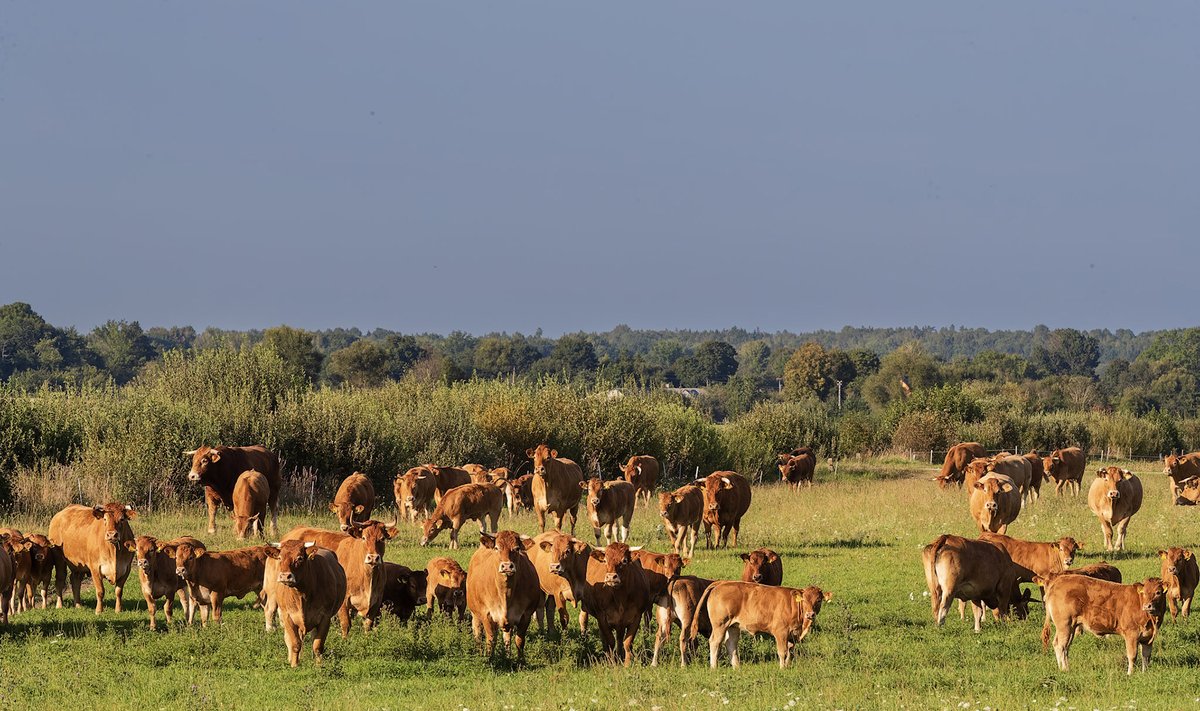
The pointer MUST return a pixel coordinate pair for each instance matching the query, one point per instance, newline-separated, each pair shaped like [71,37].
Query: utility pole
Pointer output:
[839,384]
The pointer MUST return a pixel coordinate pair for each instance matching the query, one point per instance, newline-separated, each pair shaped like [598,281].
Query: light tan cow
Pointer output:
[310,585]
[251,494]
[555,487]
[995,503]
[502,590]
[727,497]
[1017,468]
[642,471]
[354,501]
[560,561]
[978,572]
[92,540]
[1180,575]
[477,502]
[1115,496]
[609,507]
[414,490]
[732,607]
[446,584]
[682,511]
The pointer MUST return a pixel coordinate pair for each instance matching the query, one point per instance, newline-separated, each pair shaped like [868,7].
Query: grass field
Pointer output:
[876,646]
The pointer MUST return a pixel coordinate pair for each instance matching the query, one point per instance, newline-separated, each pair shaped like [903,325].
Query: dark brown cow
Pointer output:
[44,553]
[354,500]
[218,469]
[1180,575]
[1100,571]
[502,590]
[609,507]
[415,491]
[216,575]
[92,540]
[797,467]
[20,552]
[560,562]
[1065,468]
[446,582]
[156,572]
[659,570]
[682,511]
[1181,470]
[478,502]
[447,478]
[310,587]
[1037,472]
[976,571]
[732,607]
[763,566]
[250,497]
[1115,496]
[616,594]
[7,578]
[403,590]
[726,499]
[519,493]
[686,591]
[954,468]
[642,471]
[555,487]
[1077,601]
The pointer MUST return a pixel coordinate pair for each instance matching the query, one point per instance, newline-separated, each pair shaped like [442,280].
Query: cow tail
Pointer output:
[700,619]
[936,593]
[1046,630]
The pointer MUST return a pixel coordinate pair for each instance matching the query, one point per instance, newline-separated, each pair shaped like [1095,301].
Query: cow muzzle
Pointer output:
[1114,494]
[141,563]
[410,502]
[181,572]
[712,507]
[991,506]
[110,536]
[810,616]
[1172,570]
[507,568]
[288,579]
[664,515]
[757,578]
[556,568]
[373,559]
[193,476]
[594,502]
[424,541]
[612,580]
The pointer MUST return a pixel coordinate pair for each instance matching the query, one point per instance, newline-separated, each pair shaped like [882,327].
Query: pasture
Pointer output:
[858,536]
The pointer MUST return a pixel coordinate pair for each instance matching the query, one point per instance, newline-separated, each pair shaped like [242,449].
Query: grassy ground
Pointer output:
[875,646]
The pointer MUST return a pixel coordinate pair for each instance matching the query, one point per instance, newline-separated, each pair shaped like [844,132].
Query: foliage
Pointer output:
[296,348]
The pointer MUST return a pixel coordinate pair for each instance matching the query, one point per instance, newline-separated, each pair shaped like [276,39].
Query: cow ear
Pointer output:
[553,453]
[1140,588]
[546,546]
[1100,473]
[529,453]
[583,485]
[1006,488]
[685,561]
[598,555]
[1162,554]
[214,456]
[487,541]
[797,597]
[443,575]
[1187,555]
[527,542]
[773,557]
[130,512]
[333,508]
[272,552]
[130,546]
[634,549]
[98,511]
[359,509]
[390,531]
[979,485]
[828,596]
[745,556]
[676,498]
[660,559]
[728,484]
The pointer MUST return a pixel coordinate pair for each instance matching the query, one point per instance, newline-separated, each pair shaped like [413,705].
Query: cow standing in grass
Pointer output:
[218,469]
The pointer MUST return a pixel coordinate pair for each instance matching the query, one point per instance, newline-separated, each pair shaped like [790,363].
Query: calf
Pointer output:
[995,503]
[1100,571]
[642,471]
[6,578]
[763,566]
[682,511]
[1037,473]
[250,497]
[610,508]
[43,553]
[480,502]
[310,587]
[20,551]
[560,561]
[216,575]
[732,607]
[1065,468]
[502,590]
[660,570]
[1180,470]
[616,594]
[1180,575]
[446,582]
[157,574]
[726,499]
[1115,496]
[92,539]
[976,571]
[519,493]
[414,491]
[976,470]
[354,500]
[403,590]
[797,467]
[1077,601]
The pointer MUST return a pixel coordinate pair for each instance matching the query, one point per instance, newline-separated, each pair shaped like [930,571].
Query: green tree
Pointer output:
[362,364]
[21,330]
[296,348]
[123,348]
[907,365]
[754,360]
[664,353]
[717,361]
[808,372]
[573,354]
[1068,352]
[403,352]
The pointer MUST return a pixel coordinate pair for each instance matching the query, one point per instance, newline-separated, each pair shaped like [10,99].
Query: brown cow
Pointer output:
[1189,495]
[995,503]
[1017,468]
[354,501]
[642,471]
[954,468]
[1115,496]
[1032,558]
[250,497]
[44,553]
[479,474]
[502,589]
[732,607]
[659,570]
[976,571]
[446,582]
[92,540]
[616,594]
[20,552]
[156,572]
[797,467]
[1037,473]
[479,502]
[555,487]
[218,469]
[1065,468]
[763,566]
[560,562]
[403,590]
[519,493]
[1100,571]
[686,591]
[609,507]
[1180,470]
[310,586]
[976,470]
[682,511]
[1133,611]
[1180,576]
[7,578]
[415,491]
[447,478]
[726,499]
[216,575]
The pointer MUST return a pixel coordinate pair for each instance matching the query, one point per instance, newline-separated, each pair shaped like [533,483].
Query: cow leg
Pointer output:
[737,525]
[319,635]
[210,500]
[274,517]
[269,608]
[168,606]
[583,618]
[1106,527]
[1121,527]
[783,649]
[76,583]
[489,632]
[596,533]
[1187,606]
[1145,656]
[454,537]
[663,632]
[541,517]
[119,589]
[60,578]
[1131,650]
[715,638]
[692,534]
[574,516]
[732,634]
[628,635]
[344,617]
[977,611]
[607,639]
[291,640]
[1171,606]
[1063,635]
[153,610]
[98,583]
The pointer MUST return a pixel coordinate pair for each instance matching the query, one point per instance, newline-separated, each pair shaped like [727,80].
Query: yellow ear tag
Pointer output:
[1163,556]
[798,597]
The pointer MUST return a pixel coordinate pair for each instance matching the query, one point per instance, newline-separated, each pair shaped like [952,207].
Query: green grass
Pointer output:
[875,646]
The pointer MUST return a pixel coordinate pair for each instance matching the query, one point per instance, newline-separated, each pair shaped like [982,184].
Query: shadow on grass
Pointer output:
[18,629]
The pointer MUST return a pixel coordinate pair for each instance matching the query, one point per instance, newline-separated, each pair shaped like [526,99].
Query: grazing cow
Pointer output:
[659,570]
[732,607]
[682,511]
[1017,468]
[7,578]
[215,575]
[1115,496]
[218,469]
[560,561]
[555,487]
[1065,468]
[616,594]
[995,503]
[1077,601]
[310,585]
[354,501]
[1037,473]
[447,478]
[976,470]
[360,552]
[642,471]
[686,591]
[250,496]
[609,507]
[1101,571]
[954,468]
[20,552]
[502,590]
[446,582]
[797,467]
[44,553]
[156,572]
[519,493]
[979,572]
[479,502]
[403,590]
[763,566]
[726,500]
[415,491]
[1032,558]
[1180,576]
[1180,470]
[92,540]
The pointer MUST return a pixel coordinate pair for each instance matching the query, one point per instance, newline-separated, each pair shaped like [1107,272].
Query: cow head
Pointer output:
[1171,464]
[345,511]
[374,534]
[632,471]
[809,601]
[116,519]
[594,488]
[757,563]
[499,473]
[1152,593]
[292,556]
[417,484]
[712,486]
[567,556]
[245,525]
[616,558]
[669,564]
[186,557]
[510,546]
[1067,547]
[144,549]
[42,548]
[540,454]
[1051,464]
[202,459]
[1112,477]
[976,470]
[992,487]
[1172,560]
[454,579]
[434,525]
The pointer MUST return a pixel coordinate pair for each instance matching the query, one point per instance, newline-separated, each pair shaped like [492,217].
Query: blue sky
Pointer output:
[509,166]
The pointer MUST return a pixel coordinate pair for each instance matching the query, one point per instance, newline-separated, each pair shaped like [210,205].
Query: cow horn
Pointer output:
[309,544]
[190,452]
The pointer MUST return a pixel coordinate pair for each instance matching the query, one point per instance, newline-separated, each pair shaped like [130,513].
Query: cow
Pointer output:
[216,575]
[1077,601]
[642,471]
[659,570]
[479,502]
[686,591]
[1065,468]
[415,491]
[560,562]
[499,473]
[7,577]
[518,493]
[43,553]
[156,572]
[797,467]
[995,503]
[616,594]
[726,499]
[218,469]
[92,540]
[682,511]
[555,487]
[1100,571]
[447,478]
[250,497]
[502,590]
[403,590]
[1017,468]
[763,566]
[1033,558]
[1115,496]
[360,552]
[732,607]
[1180,575]
[976,470]
[609,507]
[354,500]
[446,582]
[1037,473]
[954,468]
[20,552]
[975,571]
[1179,470]
[1189,495]
[479,474]
[310,585]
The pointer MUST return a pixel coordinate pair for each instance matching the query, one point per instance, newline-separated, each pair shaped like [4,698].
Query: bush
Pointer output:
[755,440]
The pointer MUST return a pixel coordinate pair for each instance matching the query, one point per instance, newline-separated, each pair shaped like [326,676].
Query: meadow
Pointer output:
[858,534]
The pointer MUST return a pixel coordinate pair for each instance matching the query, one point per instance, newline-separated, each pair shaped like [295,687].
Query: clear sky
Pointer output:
[431,166]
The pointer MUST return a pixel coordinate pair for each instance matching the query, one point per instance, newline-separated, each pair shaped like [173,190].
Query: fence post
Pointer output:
[312,493]
[931,456]
[149,497]
[79,483]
